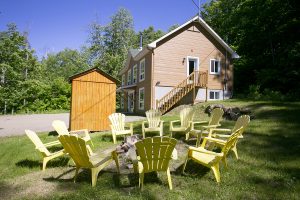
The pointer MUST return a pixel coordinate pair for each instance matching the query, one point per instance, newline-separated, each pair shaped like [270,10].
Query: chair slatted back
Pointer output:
[37,142]
[242,121]
[77,149]
[60,127]
[186,115]
[232,140]
[216,116]
[155,153]
[153,117]
[117,121]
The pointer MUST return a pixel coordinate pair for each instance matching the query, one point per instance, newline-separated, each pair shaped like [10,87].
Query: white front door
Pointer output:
[192,64]
[131,99]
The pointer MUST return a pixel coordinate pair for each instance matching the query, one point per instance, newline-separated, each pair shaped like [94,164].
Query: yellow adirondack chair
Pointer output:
[61,128]
[242,122]
[154,122]
[76,147]
[154,154]
[118,126]
[213,122]
[42,148]
[186,119]
[212,159]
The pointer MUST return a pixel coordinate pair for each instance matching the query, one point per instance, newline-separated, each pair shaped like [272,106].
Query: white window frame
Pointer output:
[140,72]
[134,74]
[187,64]
[123,79]
[219,67]
[214,91]
[141,101]
[129,77]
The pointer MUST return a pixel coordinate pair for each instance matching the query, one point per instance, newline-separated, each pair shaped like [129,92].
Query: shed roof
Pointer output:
[93,70]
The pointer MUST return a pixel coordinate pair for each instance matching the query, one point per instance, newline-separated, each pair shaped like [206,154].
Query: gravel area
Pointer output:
[11,125]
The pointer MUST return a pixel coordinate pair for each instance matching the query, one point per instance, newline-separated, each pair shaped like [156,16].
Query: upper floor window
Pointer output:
[134,74]
[123,79]
[129,77]
[141,98]
[215,66]
[142,70]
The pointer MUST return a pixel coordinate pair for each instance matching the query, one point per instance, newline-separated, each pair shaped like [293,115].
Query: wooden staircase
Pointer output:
[195,79]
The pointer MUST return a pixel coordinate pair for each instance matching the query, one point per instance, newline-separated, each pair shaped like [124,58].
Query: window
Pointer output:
[215,66]
[129,77]
[134,74]
[141,98]
[123,79]
[214,95]
[122,101]
[142,70]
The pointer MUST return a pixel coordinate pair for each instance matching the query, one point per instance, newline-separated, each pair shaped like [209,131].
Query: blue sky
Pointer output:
[57,24]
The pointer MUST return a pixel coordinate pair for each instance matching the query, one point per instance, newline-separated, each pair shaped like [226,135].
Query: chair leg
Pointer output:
[94,176]
[187,136]
[169,179]
[199,136]
[114,138]
[45,161]
[141,180]
[184,165]
[115,157]
[216,171]
[76,173]
[225,161]
[234,149]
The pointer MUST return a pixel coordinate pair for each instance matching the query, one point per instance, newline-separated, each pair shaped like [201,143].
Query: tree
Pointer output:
[266,36]
[108,45]
[149,35]
[17,64]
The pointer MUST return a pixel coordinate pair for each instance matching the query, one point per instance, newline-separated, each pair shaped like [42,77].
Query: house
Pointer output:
[93,100]
[189,64]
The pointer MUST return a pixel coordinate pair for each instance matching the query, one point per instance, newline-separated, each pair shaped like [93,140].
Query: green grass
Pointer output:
[268,168]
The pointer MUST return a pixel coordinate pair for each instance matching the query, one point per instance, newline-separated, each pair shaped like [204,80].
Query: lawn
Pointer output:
[268,168]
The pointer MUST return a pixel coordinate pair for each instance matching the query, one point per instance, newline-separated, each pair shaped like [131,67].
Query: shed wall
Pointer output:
[93,100]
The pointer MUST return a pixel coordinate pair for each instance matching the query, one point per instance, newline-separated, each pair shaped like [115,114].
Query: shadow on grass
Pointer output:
[58,162]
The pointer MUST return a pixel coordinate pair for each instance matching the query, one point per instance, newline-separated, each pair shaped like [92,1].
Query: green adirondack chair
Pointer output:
[61,128]
[42,148]
[77,149]
[209,158]
[186,119]
[154,154]
[154,122]
[241,123]
[213,122]
[118,126]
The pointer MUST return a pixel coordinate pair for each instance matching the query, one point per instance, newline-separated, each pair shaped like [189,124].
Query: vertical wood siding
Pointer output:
[93,100]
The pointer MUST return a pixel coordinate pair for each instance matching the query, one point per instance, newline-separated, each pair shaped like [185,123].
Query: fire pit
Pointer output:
[127,150]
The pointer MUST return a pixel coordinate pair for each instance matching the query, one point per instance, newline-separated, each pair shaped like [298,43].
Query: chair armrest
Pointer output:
[80,132]
[143,124]
[211,126]
[49,144]
[172,122]
[200,122]
[226,136]
[202,150]
[212,140]
[221,130]
[130,125]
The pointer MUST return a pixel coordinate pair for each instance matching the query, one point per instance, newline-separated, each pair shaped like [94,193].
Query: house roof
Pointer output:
[206,27]
[136,54]
[92,70]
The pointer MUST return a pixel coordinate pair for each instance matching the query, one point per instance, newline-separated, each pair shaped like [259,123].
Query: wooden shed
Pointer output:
[93,100]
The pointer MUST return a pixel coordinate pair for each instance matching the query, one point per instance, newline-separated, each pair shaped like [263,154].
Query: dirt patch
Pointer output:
[60,179]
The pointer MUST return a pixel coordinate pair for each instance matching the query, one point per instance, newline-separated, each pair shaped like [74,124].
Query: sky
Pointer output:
[54,25]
